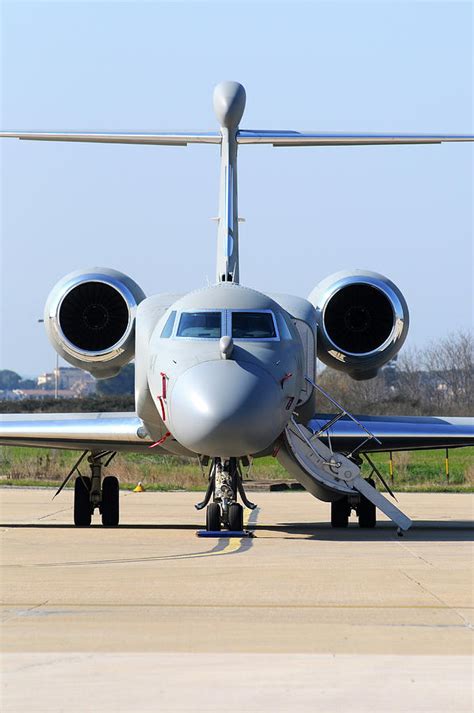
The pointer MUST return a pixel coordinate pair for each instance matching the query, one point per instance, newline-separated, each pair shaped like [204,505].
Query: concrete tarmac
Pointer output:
[300,617]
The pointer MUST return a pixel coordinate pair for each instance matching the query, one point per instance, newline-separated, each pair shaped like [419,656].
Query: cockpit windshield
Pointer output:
[200,325]
[253,325]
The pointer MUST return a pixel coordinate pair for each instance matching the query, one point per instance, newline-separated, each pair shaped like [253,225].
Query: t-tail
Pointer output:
[229,105]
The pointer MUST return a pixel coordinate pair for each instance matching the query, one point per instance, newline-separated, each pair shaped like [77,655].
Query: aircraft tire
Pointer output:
[110,501]
[366,511]
[340,512]
[82,503]
[236,517]
[213,517]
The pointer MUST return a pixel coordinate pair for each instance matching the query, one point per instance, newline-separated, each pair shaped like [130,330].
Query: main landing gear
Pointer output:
[366,511]
[225,485]
[91,492]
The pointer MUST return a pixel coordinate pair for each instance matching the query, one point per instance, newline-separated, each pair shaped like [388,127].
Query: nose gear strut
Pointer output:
[225,485]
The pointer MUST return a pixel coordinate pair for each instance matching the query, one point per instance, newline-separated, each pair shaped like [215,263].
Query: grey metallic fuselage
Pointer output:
[216,400]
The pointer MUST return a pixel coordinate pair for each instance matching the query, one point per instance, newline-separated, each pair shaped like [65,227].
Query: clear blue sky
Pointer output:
[404,211]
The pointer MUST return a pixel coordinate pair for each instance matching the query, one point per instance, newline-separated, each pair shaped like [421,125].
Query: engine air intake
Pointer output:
[359,318]
[93,316]
[362,320]
[90,319]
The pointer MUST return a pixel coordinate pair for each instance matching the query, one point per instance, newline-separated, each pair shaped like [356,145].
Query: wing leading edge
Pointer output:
[76,431]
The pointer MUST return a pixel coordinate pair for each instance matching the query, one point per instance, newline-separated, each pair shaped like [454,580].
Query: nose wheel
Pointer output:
[236,517]
[213,517]
[225,485]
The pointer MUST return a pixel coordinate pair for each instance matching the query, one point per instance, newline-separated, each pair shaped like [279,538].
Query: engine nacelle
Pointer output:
[362,321]
[90,319]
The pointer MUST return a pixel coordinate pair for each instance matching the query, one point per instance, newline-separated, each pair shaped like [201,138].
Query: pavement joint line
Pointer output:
[263,605]
[425,589]
[465,622]
[413,554]
[44,517]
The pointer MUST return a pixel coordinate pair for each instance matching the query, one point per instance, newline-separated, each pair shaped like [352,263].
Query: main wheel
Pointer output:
[110,501]
[236,517]
[213,517]
[82,502]
[366,510]
[340,512]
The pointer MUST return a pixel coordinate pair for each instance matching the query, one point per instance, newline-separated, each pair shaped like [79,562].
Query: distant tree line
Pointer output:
[87,404]
[123,383]
[10,380]
[437,380]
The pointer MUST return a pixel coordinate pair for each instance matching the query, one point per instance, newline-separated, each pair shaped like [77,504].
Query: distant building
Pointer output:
[76,381]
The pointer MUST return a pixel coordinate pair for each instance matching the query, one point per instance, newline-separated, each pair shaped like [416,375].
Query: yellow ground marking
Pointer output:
[233,545]
[234,542]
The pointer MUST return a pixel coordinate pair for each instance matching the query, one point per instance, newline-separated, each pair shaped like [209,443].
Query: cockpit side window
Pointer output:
[200,325]
[283,327]
[253,325]
[168,328]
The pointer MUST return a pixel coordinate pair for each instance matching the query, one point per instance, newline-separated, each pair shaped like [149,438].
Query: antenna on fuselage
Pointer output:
[229,105]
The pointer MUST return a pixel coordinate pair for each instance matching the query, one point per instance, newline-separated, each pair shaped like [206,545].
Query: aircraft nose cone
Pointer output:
[222,408]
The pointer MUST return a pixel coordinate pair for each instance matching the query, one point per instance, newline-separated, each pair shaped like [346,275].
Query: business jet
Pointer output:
[226,374]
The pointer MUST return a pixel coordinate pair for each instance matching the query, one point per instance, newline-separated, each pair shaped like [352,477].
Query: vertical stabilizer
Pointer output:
[229,105]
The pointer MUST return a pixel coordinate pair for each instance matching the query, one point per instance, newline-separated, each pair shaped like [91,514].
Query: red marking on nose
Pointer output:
[161,402]
[162,440]
[163,384]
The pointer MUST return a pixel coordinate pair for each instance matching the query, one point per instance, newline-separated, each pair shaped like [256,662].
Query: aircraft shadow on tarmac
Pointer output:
[422,530]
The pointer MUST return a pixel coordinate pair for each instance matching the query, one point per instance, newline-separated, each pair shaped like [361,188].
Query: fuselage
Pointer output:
[225,370]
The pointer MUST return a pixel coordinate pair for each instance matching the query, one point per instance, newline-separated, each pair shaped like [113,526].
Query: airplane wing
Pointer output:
[76,431]
[298,138]
[161,138]
[399,433]
[125,431]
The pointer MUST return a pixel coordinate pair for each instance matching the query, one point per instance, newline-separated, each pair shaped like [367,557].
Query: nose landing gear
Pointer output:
[225,485]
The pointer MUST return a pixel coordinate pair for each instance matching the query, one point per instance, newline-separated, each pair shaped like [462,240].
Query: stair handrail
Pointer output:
[344,412]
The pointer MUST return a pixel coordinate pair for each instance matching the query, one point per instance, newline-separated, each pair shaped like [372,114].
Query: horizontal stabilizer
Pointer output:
[161,138]
[275,138]
[299,138]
